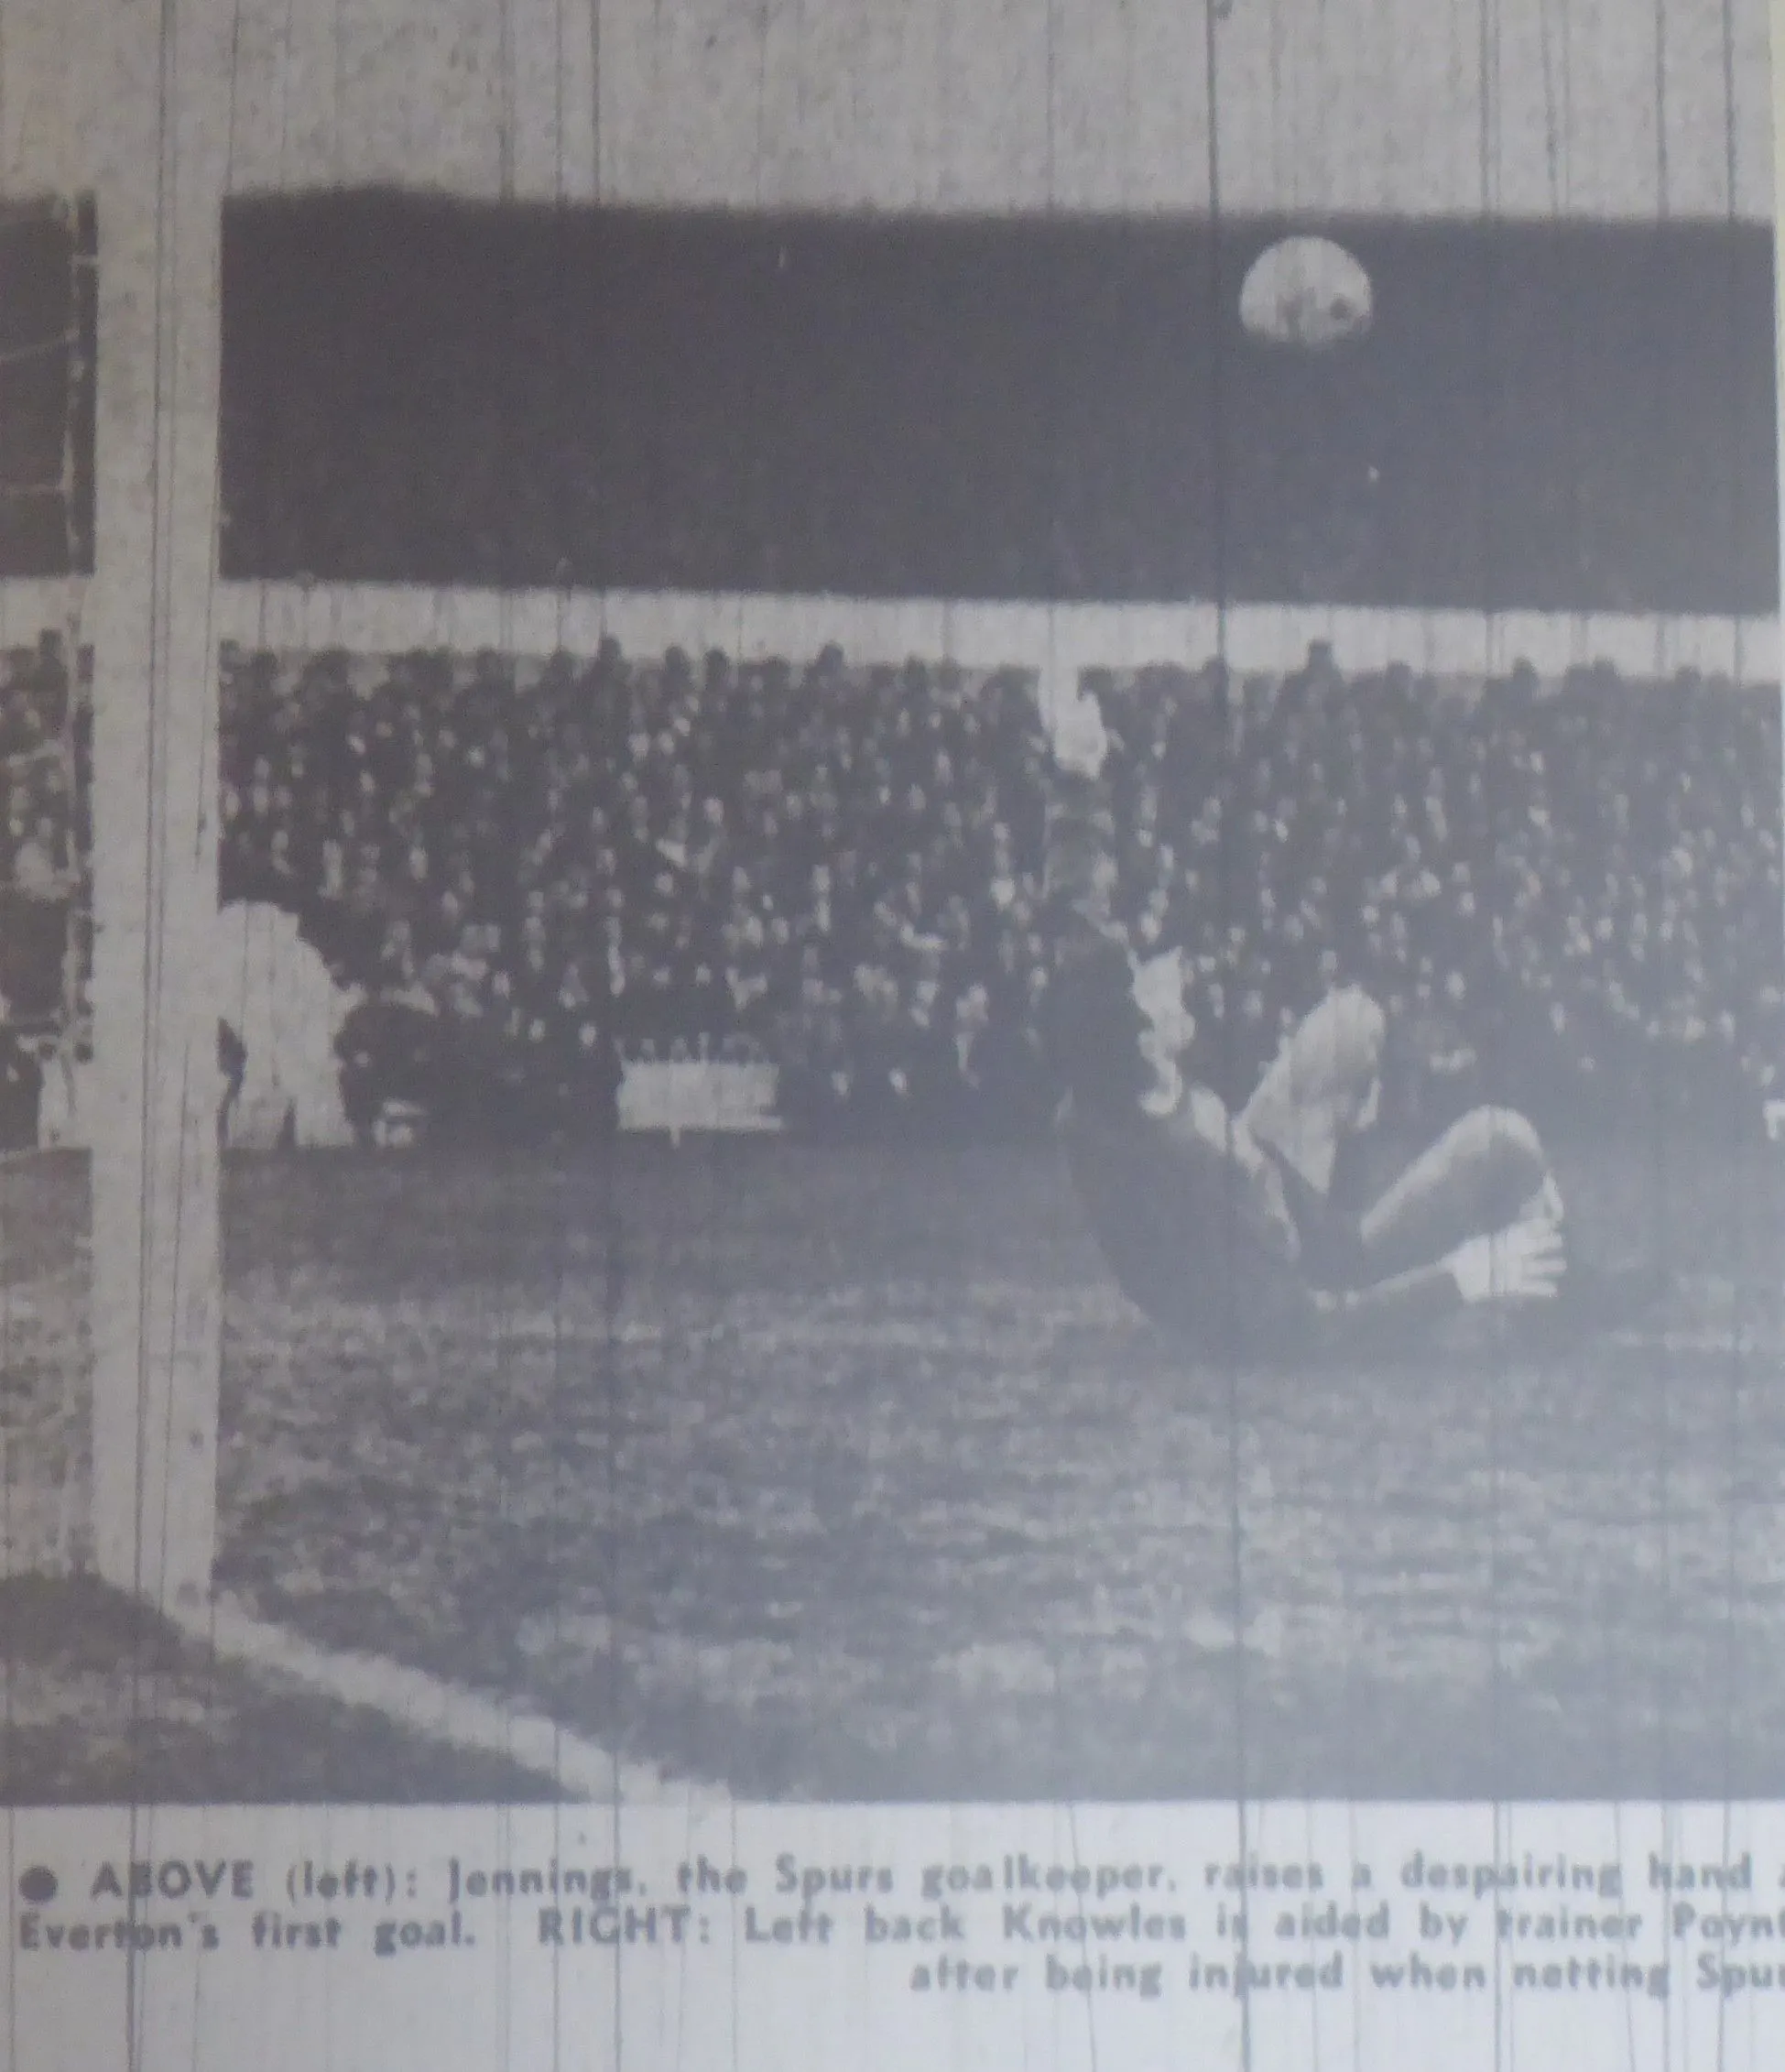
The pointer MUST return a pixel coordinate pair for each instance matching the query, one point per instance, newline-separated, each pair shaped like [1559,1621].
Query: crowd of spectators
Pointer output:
[46,852]
[1566,896]
[46,841]
[1569,894]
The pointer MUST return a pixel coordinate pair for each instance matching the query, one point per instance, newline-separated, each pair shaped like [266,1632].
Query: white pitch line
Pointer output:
[447,1713]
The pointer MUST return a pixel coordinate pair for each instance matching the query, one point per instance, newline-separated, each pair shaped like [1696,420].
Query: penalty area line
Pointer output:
[436,1710]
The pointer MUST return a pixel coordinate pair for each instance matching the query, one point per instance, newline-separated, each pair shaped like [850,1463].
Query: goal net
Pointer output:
[46,1049]
[47,344]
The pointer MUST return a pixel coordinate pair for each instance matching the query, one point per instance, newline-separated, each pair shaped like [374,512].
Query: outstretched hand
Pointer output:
[1076,726]
[1522,1263]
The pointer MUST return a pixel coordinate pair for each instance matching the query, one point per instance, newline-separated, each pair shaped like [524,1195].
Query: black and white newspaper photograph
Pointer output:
[892,1035]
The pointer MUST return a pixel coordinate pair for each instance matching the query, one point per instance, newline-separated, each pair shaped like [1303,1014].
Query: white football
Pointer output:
[1306,292]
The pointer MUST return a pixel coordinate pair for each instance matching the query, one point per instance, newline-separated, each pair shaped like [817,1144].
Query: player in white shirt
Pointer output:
[1219,1225]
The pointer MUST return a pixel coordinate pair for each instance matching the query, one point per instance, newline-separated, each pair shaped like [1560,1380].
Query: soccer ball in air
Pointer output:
[1306,292]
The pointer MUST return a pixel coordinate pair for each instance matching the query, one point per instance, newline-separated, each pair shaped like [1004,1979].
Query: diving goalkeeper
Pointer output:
[1220,1226]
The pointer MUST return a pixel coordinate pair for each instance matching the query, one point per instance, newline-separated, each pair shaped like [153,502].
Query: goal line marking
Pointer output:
[436,1710]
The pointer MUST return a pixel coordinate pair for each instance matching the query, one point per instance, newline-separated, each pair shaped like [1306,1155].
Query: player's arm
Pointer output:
[1092,1025]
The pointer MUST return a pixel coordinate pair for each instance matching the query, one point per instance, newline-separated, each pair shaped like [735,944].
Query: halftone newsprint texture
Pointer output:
[893,902]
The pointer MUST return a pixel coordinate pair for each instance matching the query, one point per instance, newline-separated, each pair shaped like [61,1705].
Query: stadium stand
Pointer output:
[1566,891]
[46,891]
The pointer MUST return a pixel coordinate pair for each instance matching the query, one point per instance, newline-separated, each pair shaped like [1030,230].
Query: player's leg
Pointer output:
[1322,1085]
[1487,1171]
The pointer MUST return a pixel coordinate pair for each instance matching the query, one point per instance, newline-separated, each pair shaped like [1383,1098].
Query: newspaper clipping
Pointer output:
[892,1086]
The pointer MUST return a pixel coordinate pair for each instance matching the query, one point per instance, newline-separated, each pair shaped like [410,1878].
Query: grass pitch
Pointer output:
[101,1702]
[849,1475]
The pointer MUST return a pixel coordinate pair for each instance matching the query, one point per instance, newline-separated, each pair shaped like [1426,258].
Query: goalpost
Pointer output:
[159,185]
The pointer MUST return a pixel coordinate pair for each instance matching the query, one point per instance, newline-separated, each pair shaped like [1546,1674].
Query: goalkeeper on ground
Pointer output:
[1220,1226]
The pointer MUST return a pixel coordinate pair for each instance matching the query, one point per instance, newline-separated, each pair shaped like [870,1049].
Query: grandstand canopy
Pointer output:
[1383,106]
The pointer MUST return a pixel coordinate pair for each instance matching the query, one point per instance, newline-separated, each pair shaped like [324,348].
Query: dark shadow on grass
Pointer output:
[80,1625]
[106,1702]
